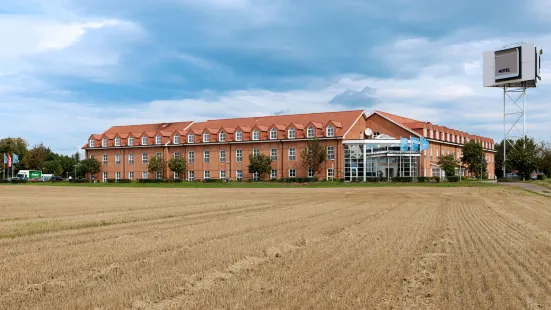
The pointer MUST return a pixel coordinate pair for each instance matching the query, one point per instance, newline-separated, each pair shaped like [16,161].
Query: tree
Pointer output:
[91,166]
[177,165]
[473,157]
[157,164]
[36,158]
[523,157]
[544,159]
[260,164]
[499,158]
[14,146]
[313,156]
[448,164]
[53,167]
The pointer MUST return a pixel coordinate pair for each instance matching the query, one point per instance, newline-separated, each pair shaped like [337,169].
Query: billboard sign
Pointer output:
[507,64]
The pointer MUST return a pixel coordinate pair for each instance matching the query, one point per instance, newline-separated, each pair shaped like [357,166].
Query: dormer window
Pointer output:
[256,134]
[291,134]
[144,140]
[190,138]
[176,139]
[92,143]
[104,142]
[310,132]
[130,141]
[158,139]
[330,131]
[239,135]
[206,137]
[273,134]
[222,136]
[117,141]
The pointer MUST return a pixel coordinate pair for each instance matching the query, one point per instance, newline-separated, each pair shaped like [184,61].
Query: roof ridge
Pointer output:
[266,116]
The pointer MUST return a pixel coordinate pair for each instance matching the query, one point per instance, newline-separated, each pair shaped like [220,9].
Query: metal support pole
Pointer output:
[365,161]
[504,133]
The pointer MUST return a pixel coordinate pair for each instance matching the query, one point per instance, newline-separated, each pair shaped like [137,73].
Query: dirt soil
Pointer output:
[356,248]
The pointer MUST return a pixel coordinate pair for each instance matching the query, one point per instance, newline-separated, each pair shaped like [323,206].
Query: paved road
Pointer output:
[531,187]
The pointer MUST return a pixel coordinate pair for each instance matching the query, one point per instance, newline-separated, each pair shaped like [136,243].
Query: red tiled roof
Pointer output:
[148,128]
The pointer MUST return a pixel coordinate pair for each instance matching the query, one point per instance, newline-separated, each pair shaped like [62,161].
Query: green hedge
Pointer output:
[151,181]
[453,178]
[508,180]
[79,181]
[541,177]
[402,179]
[19,181]
[4,181]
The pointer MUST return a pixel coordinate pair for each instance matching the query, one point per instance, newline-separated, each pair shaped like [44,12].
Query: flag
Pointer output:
[424,144]
[414,144]
[9,161]
[403,144]
[5,159]
[15,159]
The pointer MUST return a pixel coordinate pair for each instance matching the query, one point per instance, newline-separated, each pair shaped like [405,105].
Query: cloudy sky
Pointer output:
[69,68]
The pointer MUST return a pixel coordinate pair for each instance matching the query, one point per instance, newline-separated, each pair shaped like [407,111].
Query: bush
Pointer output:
[402,179]
[125,181]
[178,180]
[423,179]
[111,180]
[453,178]
[508,180]
[541,177]
[374,179]
[19,181]
[436,179]
[212,181]
[4,181]
[151,181]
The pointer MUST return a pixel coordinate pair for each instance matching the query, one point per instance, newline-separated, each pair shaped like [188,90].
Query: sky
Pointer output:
[71,68]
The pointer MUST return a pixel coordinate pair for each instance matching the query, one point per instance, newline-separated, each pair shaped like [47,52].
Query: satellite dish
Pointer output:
[368,132]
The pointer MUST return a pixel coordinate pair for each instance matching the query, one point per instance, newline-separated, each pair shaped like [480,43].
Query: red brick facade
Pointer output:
[263,134]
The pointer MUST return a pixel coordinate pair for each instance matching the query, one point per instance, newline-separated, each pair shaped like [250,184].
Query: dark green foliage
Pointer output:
[522,157]
[157,164]
[177,165]
[453,178]
[151,181]
[90,166]
[402,179]
[541,177]
[448,164]
[313,156]
[260,164]
[473,157]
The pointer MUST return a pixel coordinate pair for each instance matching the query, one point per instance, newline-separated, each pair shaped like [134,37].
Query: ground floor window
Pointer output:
[292,173]
[256,176]
[273,174]
[222,174]
[118,175]
[105,175]
[239,175]
[191,176]
[159,175]
[330,173]
[131,175]
[145,175]
[206,174]
[436,172]
[310,173]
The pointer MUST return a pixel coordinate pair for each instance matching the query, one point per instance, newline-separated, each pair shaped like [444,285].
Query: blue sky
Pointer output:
[70,68]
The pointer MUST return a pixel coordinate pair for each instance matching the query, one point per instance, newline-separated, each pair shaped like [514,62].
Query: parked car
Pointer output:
[534,176]
[512,175]
[57,178]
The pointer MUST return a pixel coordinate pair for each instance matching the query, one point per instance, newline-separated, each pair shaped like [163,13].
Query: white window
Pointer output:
[222,156]
[331,153]
[117,175]
[431,153]
[158,155]
[330,132]
[206,156]
[206,137]
[291,134]
[431,134]
[158,139]
[437,154]
[273,154]
[104,159]
[273,134]
[292,173]
[117,141]
[222,136]
[256,152]
[310,173]
[273,174]
[239,135]
[144,158]
[117,159]
[159,175]
[222,174]
[206,175]
[190,138]
[104,142]
[191,157]
[144,140]
[131,141]
[145,175]
[256,134]
[191,176]
[292,154]
[177,139]
[256,176]
[92,143]
[105,175]
[310,132]
[131,175]
[239,175]
[176,154]
[330,173]
[238,156]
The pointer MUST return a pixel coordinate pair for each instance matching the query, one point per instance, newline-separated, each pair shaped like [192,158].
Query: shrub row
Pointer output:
[453,178]
[541,177]
[508,180]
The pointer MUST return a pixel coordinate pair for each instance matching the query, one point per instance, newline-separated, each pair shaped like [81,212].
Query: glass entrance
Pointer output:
[354,173]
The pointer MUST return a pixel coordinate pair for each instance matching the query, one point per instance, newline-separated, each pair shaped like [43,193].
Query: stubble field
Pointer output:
[345,248]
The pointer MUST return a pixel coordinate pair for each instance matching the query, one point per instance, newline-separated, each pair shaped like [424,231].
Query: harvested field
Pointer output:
[343,248]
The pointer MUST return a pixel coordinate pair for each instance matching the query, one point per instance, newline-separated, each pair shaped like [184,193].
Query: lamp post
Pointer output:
[460,170]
